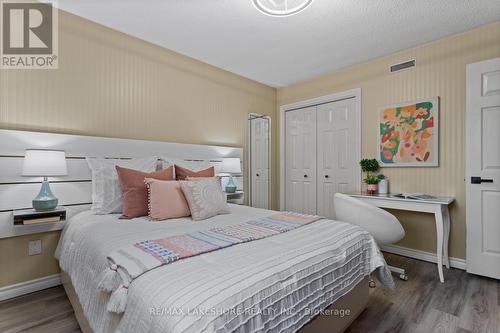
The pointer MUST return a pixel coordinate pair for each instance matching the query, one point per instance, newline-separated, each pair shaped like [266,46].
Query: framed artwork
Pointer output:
[408,134]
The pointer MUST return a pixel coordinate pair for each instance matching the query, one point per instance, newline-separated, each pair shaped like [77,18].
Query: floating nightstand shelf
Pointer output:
[236,197]
[31,217]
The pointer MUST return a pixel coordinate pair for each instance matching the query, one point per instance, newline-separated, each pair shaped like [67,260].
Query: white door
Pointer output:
[259,128]
[300,160]
[337,164]
[483,162]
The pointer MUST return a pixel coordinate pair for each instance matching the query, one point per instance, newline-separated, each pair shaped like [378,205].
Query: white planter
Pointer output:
[383,186]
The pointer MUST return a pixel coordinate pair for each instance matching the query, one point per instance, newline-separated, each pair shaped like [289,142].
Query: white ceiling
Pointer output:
[279,51]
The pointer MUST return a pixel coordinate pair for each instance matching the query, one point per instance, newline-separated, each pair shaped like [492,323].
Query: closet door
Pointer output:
[300,159]
[337,136]
[260,162]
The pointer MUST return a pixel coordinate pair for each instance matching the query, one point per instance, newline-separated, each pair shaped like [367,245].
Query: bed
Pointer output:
[282,283]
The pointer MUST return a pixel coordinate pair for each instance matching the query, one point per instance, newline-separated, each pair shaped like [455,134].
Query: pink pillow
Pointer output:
[166,199]
[134,191]
[181,173]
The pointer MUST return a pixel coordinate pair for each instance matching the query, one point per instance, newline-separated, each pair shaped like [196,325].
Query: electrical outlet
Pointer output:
[34,247]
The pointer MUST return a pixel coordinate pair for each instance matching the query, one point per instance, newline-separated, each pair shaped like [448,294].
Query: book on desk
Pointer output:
[415,196]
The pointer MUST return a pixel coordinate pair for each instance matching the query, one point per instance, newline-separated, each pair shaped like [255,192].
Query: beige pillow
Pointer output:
[165,199]
[205,198]
[219,179]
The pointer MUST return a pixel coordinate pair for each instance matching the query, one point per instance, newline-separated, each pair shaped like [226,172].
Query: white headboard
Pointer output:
[74,190]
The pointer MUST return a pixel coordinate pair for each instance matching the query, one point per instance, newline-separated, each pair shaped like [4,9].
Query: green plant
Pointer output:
[381,176]
[369,166]
[372,180]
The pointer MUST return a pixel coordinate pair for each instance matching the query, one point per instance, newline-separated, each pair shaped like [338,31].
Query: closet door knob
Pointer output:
[305,176]
[326,176]
[257,175]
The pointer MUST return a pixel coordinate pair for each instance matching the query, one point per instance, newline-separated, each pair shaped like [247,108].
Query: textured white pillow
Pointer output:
[106,192]
[205,198]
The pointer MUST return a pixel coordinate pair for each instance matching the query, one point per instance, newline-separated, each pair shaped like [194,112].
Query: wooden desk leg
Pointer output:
[440,233]
[446,225]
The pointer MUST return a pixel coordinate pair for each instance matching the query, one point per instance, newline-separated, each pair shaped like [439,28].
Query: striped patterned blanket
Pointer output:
[128,263]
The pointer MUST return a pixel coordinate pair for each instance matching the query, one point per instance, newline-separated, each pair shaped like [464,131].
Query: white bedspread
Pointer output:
[275,284]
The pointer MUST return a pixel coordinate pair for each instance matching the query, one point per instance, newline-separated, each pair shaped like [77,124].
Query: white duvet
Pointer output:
[275,284]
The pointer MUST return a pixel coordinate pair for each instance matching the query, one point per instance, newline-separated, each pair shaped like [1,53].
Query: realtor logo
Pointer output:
[29,36]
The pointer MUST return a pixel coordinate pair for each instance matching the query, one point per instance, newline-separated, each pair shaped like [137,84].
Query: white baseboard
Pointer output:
[422,255]
[27,287]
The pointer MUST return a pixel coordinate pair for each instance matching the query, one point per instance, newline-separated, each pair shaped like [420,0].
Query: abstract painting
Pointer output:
[408,134]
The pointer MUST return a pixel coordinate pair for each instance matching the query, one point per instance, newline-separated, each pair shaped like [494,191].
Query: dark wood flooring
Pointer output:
[464,303]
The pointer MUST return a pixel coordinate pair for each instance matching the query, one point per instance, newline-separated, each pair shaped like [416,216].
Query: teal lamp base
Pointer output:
[230,186]
[45,200]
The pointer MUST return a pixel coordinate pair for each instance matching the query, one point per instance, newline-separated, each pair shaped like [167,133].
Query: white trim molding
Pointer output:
[352,93]
[421,255]
[27,287]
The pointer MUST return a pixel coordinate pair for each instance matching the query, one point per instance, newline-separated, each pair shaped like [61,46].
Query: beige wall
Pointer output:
[111,84]
[440,72]
[15,264]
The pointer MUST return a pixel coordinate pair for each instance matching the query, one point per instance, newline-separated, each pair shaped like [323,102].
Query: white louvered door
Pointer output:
[336,136]
[300,159]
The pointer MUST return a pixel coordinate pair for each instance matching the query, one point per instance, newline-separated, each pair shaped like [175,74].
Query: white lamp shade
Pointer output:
[44,163]
[231,165]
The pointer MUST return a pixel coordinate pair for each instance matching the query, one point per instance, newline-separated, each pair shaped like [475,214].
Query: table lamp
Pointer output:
[231,165]
[44,163]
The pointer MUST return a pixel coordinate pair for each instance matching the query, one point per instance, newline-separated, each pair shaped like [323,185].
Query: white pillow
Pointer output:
[205,198]
[163,163]
[106,192]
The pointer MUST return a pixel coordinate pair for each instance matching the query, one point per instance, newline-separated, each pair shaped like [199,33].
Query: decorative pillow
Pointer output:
[193,165]
[106,192]
[182,173]
[219,179]
[205,198]
[135,193]
[166,200]
[164,163]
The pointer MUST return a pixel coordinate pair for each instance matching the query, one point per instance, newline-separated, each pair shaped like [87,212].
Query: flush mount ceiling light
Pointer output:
[281,7]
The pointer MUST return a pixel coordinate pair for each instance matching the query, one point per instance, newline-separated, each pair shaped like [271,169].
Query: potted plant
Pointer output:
[370,166]
[371,184]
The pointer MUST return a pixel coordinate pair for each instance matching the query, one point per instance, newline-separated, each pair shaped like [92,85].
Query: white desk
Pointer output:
[439,207]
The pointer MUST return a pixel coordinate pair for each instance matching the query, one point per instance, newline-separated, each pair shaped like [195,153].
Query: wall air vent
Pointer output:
[403,65]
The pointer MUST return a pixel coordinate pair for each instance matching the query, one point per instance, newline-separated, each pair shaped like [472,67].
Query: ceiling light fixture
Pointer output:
[281,7]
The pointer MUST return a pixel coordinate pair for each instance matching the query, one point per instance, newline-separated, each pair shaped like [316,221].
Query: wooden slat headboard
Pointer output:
[74,190]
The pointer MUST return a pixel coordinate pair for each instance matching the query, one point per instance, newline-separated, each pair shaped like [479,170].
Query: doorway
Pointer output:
[259,157]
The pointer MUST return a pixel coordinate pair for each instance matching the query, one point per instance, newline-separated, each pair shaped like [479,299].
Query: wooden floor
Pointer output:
[465,303]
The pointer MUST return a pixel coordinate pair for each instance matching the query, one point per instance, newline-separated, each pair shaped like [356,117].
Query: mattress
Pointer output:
[276,284]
